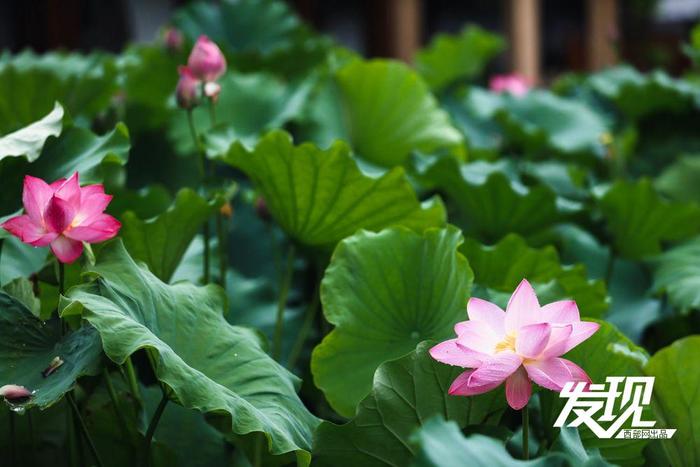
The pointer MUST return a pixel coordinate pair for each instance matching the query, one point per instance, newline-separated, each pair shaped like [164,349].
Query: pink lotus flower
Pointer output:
[514,84]
[63,215]
[187,90]
[173,39]
[206,60]
[517,346]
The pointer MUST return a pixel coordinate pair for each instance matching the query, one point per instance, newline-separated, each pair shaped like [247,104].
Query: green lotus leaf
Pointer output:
[452,57]
[390,112]
[320,196]
[490,201]
[30,85]
[249,104]
[405,393]
[607,353]
[640,219]
[637,94]
[161,241]
[677,272]
[440,443]
[29,141]
[502,266]
[28,346]
[386,292]
[206,364]
[681,180]
[675,399]
[542,121]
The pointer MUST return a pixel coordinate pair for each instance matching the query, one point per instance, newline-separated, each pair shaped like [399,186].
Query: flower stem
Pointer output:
[83,427]
[153,425]
[197,144]
[115,402]
[526,433]
[285,282]
[221,234]
[610,268]
[212,112]
[13,439]
[207,252]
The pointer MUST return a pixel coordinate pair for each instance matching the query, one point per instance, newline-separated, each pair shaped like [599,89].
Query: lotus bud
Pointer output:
[14,393]
[206,60]
[173,39]
[187,91]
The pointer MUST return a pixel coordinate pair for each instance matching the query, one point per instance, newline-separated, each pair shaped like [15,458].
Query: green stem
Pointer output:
[309,317]
[115,402]
[221,234]
[257,460]
[286,280]
[609,270]
[212,113]
[207,251]
[133,383]
[153,425]
[526,433]
[13,439]
[32,439]
[197,144]
[83,427]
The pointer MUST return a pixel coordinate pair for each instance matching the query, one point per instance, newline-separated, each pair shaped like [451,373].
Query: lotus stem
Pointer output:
[133,383]
[285,282]
[153,425]
[221,234]
[311,310]
[526,433]
[83,427]
[115,402]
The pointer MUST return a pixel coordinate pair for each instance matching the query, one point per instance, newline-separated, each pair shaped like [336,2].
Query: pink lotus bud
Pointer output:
[14,393]
[187,90]
[514,84]
[206,60]
[63,215]
[173,39]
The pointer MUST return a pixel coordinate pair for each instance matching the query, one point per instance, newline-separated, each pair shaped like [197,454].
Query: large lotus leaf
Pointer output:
[28,346]
[385,292]
[452,57]
[405,393]
[207,364]
[472,110]
[677,272]
[640,219]
[320,196]
[440,443]
[248,105]
[490,202]
[390,112]
[160,242]
[260,26]
[676,392]
[542,121]
[502,266]
[30,85]
[29,141]
[638,95]
[76,149]
[18,259]
[607,353]
[681,180]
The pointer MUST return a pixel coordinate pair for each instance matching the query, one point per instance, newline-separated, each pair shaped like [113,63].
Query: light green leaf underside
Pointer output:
[385,292]
[161,241]
[677,272]
[390,112]
[451,57]
[640,219]
[320,196]
[29,345]
[29,141]
[209,365]
[676,398]
[405,394]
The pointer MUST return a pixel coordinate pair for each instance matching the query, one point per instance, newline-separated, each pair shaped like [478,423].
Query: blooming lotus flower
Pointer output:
[63,215]
[519,345]
[515,84]
[187,90]
[206,60]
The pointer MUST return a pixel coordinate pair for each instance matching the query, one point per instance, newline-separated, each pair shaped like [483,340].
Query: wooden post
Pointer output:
[602,33]
[404,28]
[525,38]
